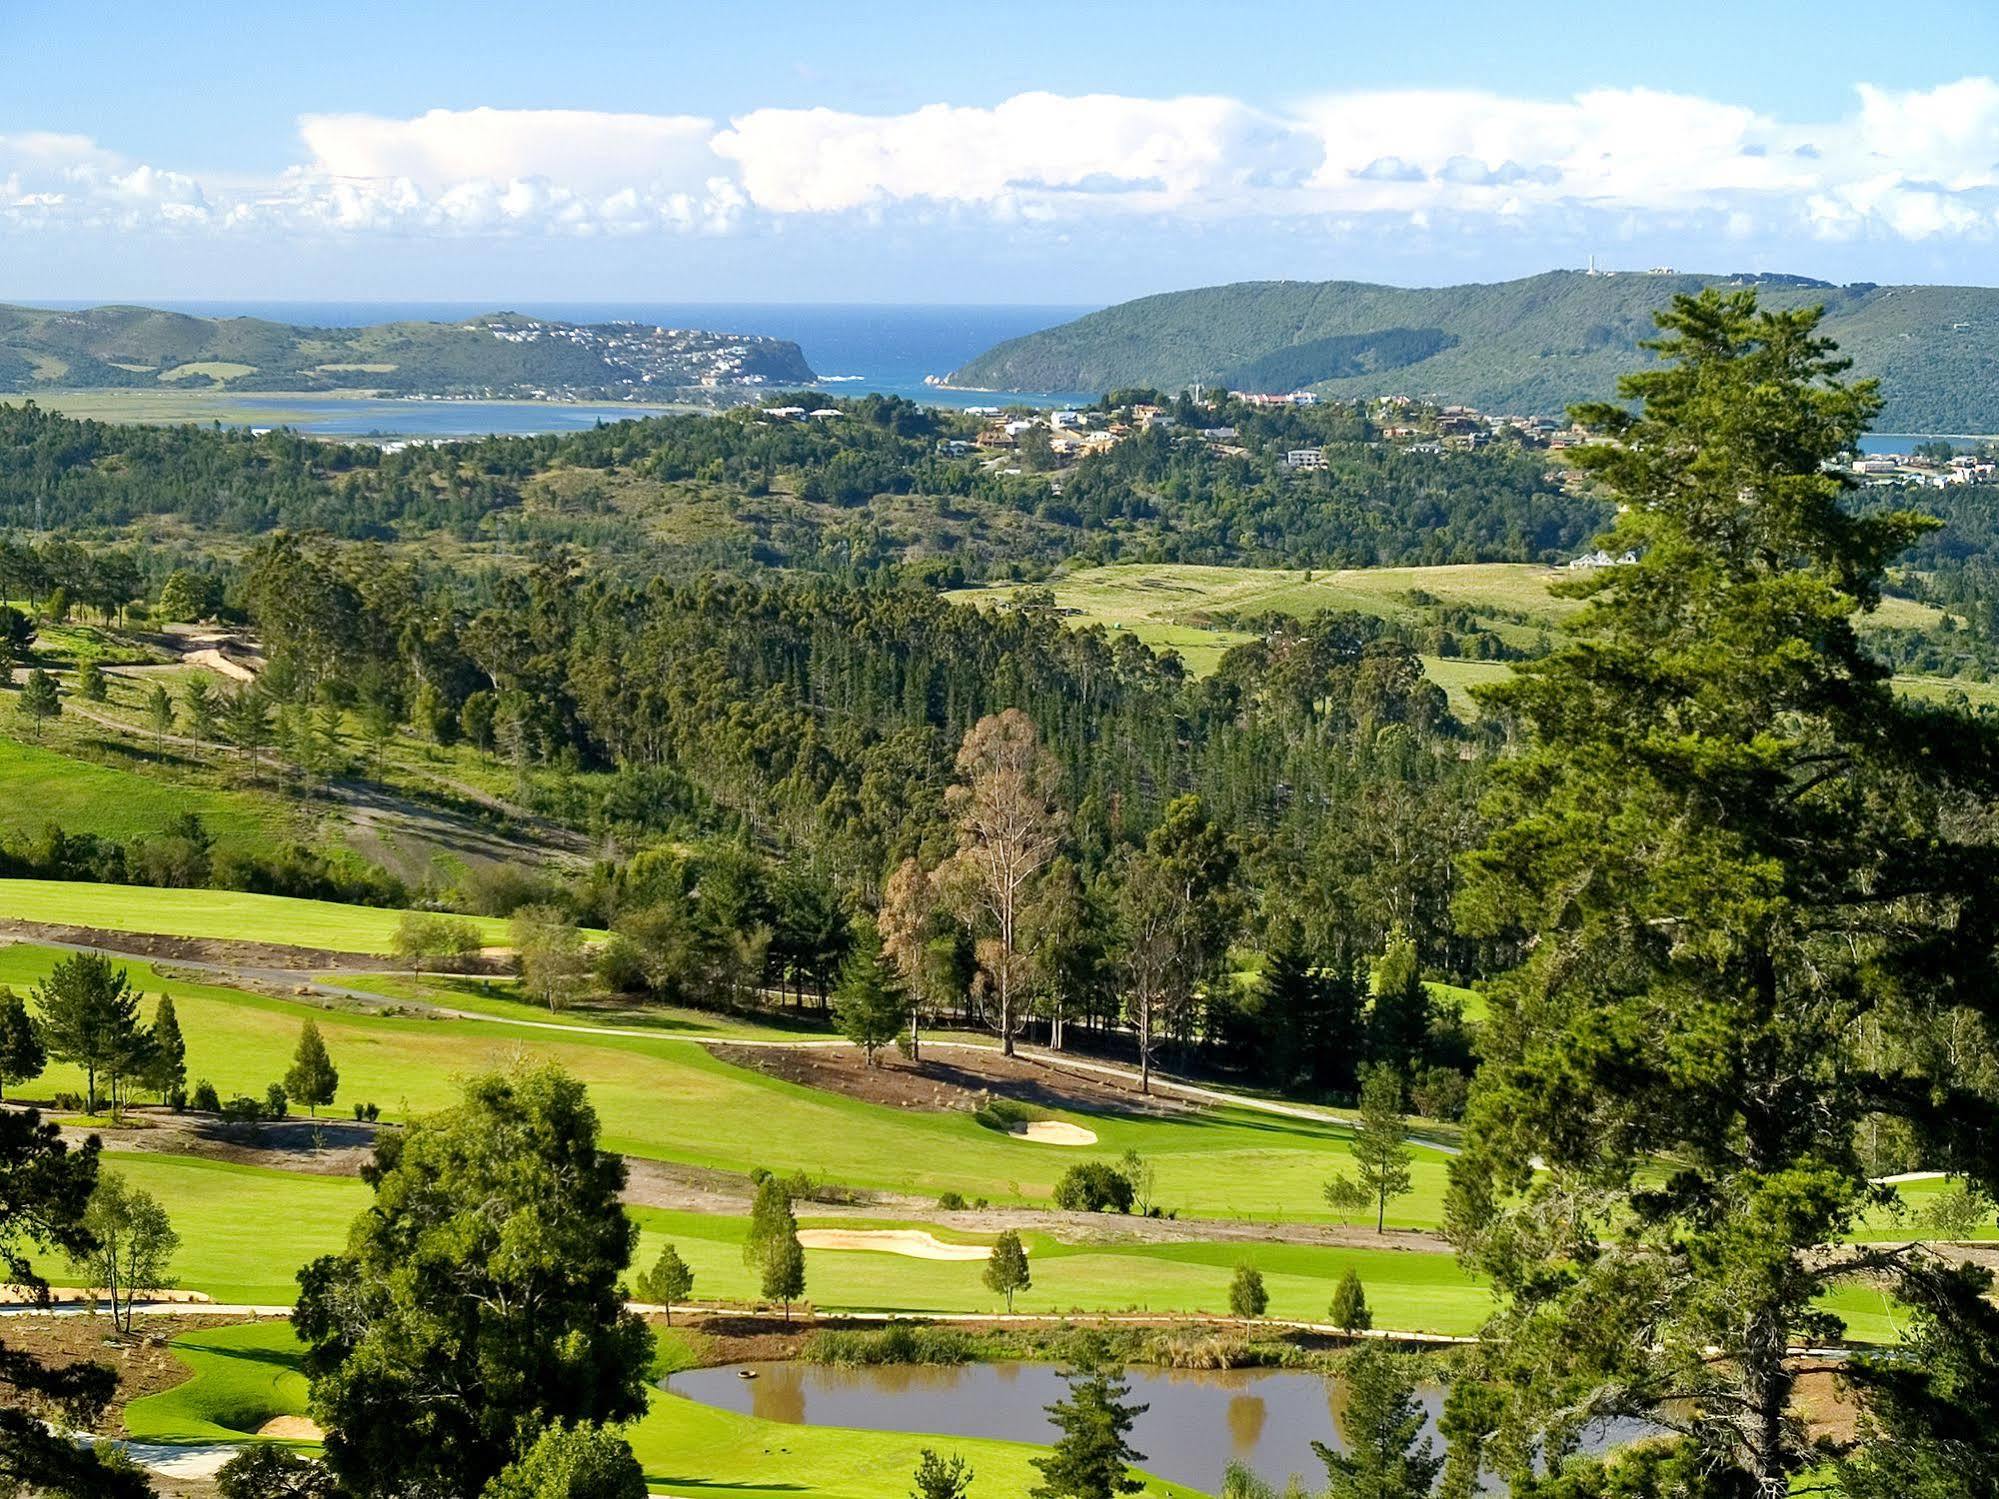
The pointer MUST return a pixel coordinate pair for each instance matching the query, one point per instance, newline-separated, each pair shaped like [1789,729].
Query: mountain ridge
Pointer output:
[129,346]
[1530,346]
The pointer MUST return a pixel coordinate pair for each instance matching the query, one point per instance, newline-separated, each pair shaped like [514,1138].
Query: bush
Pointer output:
[367,1113]
[242,1110]
[898,1343]
[267,1472]
[1004,1114]
[277,1102]
[203,1098]
[573,1462]
[951,1202]
[67,1103]
[1247,1296]
[1093,1187]
[1440,1093]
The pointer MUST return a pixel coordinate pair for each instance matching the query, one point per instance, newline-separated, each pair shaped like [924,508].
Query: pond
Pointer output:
[1198,1422]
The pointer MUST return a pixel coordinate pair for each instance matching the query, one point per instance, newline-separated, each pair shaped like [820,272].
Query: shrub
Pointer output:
[1004,1114]
[897,1343]
[367,1113]
[242,1110]
[951,1202]
[267,1472]
[1349,1311]
[1247,1296]
[67,1102]
[1093,1187]
[204,1098]
[1440,1093]
[277,1102]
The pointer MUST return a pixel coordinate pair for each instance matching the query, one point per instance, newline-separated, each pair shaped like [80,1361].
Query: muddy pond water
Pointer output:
[1198,1422]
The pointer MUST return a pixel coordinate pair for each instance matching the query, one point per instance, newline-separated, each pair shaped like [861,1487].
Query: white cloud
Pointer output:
[1914,165]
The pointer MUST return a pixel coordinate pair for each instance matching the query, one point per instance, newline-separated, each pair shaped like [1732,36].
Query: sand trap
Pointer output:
[291,1429]
[911,1243]
[1054,1132]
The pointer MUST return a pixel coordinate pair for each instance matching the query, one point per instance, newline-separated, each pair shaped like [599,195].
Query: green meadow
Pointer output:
[242,1377]
[40,785]
[227,915]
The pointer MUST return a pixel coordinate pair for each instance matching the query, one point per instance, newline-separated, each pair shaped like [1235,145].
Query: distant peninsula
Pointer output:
[1530,346]
[499,356]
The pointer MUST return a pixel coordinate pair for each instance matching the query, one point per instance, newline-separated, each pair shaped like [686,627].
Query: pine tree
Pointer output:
[90,683]
[166,1064]
[1006,1267]
[90,1017]
[669,1280]
[39,700]
[1092,1459]
[160,714]
[21,1055]
[1386,1455]
[312,1080]
[1380,1153]
[937,1479]
[1349,1311]
[869,1004]
[1398,1020]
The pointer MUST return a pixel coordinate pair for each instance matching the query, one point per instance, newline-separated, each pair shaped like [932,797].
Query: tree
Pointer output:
[45,1190]
[264,1471]
[1009,825]
[1348,1311]
[908,925]
[312,1079]
[550,952]
[1346,1196]
[198,698]
[669,1280]
[771,1222]
[1398,1020]
[134,1244]
[1092,1459]
[1381,1154]
[90,1017]
[1247,1297]
[17,635]
[868,1004]
[424,936]
[572,1462]
[247,718]
[160,715]
[1728,850]
[184,597]
[38,700]
[21,1054]
[937,1479]
[1149,951]
[1139,1171]
[165,1070]
[1386,1455]
[1006,1267]
[478,1300]
[90,683]
[784,1272]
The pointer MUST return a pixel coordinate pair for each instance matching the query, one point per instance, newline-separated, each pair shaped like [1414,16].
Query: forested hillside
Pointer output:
[1531,346]
[500,354]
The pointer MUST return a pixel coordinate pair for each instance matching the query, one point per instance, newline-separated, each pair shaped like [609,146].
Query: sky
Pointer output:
[1011,151]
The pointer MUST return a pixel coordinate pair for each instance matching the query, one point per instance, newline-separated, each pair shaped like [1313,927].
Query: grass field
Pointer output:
[244,1376]
[39,786]
[230,915]
[1176,606]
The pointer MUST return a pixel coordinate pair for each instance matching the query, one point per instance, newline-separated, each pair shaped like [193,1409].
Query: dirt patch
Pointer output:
[910,1243]
[291,1429]
[947,1080]
[78,1296]
[143,1364]
[199,949]
[316,1147]
[1053,1132]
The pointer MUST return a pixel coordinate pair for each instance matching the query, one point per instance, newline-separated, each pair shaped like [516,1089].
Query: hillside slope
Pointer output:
[1527,346]
[502,354]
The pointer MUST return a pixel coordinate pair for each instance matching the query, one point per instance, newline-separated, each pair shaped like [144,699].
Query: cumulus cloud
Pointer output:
[1914,164]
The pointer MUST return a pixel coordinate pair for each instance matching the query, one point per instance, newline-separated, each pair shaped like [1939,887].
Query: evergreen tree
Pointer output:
[669,1280]
[90,683]
[1349,1311]
[160,714]
[89,1017]
[784,1272]
[166,1060]
[587,1461]
[477,1302]
[1385,1454]
[312,1079]
[1092,1459]
[869,1005]
[21,1054]
[1729,850]
[1248,1299]
[937,1479]
[1006,1267]
[39,700]
[1398,1019]
[1381,1153]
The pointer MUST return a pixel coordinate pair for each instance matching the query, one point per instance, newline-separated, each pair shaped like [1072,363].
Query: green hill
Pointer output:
[500,354]
[1530,346]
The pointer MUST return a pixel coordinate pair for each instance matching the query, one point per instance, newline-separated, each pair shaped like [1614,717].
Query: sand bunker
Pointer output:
[911,1243]
[291,1429]
[1054,1132]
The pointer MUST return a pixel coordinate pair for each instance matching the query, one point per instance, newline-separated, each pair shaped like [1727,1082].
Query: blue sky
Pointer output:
[999,152]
